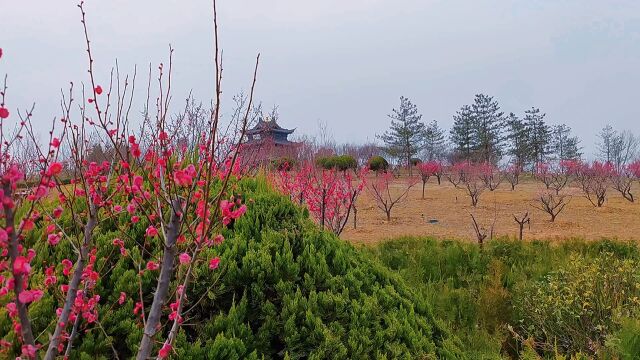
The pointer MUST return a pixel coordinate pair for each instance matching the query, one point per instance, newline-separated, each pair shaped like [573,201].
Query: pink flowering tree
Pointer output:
[490,175]
[184,198]
[329,195]
[562,173]
[384,193]
[512,175]
[19,214]
[456,173]
[594,180]
[473,181]
[332,198]
[542,172]
[622,180]
[427,170]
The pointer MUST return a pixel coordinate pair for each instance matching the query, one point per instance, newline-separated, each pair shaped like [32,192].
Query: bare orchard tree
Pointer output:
[512,175]
[522,219]
[490,175]
[594,180]
[381,189]
[551,203]
[474,183]
[481,231]
[622,181]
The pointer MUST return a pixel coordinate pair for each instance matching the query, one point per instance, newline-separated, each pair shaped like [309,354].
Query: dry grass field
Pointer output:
[617,219]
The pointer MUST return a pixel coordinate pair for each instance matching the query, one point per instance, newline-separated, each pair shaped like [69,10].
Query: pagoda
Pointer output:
[269,131]
[267,141]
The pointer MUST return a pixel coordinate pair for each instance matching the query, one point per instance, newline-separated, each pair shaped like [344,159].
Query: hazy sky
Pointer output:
[347,63]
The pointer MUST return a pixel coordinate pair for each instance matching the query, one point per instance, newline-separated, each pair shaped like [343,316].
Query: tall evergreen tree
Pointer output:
[462,134]
[539,135]
[518,140]
[489,125]
[434,142]
[404,139]
[564,146]
[606,140]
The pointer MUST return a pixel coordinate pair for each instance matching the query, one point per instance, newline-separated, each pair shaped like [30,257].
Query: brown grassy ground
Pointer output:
[451,207]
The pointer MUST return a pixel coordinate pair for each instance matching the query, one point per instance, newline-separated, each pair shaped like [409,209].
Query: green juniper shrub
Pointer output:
[337,162]
[325,162]
[283,289]
[345,162]
[378,163]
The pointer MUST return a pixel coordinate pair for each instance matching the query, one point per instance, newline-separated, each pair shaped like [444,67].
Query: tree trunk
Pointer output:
[355,217]
[424,183]
[521,229]
[164,280]
[52,350]
[388,215]
[23,314]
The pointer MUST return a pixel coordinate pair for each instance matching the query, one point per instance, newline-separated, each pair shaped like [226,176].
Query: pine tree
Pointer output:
[563,145]
[488,123]
[606,143]
[434,142]
[539,135]
[405,137]
[462,134]
[518,140]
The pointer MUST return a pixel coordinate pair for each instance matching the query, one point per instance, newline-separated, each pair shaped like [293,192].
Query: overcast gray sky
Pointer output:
[347,63]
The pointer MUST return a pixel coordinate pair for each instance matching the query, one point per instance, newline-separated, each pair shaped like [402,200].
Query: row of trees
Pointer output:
[331,195]
[481,133]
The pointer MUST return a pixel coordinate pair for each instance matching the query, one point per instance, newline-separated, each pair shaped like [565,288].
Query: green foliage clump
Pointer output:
[626,341]
[528,300]
[415,161]
[378,163]
[337,162]
[575,308]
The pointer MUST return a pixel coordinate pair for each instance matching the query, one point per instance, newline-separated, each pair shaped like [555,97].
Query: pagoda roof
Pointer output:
[268,126]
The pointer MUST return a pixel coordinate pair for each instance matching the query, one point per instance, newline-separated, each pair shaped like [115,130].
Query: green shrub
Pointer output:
[325,162]
[345,162]
[415,161]
[480,293]
[283,289]
[378,163]
[575,308]
[337,162]
[625,343]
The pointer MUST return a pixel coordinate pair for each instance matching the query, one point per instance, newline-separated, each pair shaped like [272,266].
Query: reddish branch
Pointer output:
[551,203]
[385,198]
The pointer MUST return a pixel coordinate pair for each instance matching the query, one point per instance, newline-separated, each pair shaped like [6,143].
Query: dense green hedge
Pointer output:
[337,162]
[284,290]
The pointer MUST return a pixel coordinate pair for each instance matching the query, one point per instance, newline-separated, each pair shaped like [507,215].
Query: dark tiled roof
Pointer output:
[268,126]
